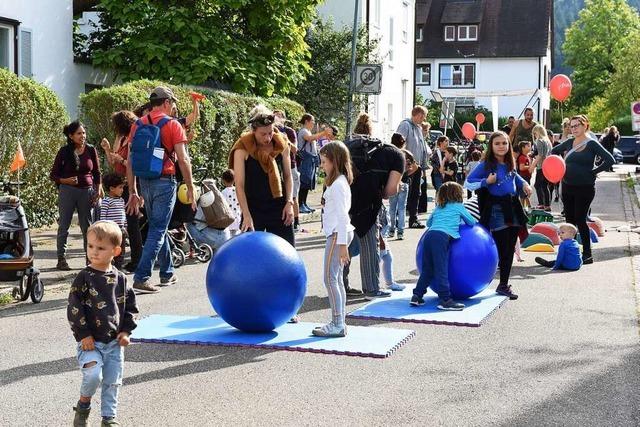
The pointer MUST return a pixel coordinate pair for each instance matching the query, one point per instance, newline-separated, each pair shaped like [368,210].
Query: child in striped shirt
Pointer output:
[112,208]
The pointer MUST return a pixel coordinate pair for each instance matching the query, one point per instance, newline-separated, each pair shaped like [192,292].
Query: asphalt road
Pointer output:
[565,353]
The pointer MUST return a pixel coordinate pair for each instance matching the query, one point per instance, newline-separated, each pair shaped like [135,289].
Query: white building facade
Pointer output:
[393,23]
[36,40]
[486,53]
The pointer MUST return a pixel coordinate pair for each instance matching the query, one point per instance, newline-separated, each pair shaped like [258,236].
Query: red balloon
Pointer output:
[560,87]
[553,168]
[469,130]
[480,118]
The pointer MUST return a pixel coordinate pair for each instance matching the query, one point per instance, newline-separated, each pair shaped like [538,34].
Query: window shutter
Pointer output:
[25,54]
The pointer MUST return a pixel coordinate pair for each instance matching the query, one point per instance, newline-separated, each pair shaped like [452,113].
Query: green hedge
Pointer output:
[223,116]
[33,115]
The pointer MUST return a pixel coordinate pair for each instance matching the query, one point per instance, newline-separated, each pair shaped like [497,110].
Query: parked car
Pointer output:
[433,136]
[630,148]
[617,155]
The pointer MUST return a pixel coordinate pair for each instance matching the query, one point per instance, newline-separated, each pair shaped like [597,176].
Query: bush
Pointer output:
[223,117]
[33,115]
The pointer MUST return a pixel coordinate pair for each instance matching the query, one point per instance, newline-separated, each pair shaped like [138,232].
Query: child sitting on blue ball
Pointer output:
[569,257]
[444,225]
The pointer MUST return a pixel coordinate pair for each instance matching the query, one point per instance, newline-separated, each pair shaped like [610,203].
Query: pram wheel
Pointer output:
[204,253]
[178,257]
[37,290]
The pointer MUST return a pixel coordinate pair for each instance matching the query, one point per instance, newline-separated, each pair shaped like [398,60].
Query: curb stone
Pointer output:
[632,214]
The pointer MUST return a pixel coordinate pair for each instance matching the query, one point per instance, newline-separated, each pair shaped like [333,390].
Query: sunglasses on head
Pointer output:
[263,120]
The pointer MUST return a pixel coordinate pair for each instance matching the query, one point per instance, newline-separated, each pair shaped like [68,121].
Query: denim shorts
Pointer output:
[497,222]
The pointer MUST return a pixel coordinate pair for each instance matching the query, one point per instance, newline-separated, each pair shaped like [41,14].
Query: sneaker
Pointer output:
[396,286]
[400,236]
[168,281]
[587,260]
[145,287]
[543,262]
[353,292]
[377,294]
[416,224]
[62,265]
[309,208]
[450,305]
[505,290]
[416,301]
[330,331]
[81,419]
[390,234]
[109,422]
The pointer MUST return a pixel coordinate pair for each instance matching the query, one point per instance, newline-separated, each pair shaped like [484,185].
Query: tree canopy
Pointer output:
[253,46]
[594,43]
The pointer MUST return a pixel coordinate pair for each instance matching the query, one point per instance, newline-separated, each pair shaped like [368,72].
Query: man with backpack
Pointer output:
[158,152]
[378,168]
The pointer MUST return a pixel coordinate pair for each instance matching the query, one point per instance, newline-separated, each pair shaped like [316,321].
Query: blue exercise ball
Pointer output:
[256,282]
[473,261]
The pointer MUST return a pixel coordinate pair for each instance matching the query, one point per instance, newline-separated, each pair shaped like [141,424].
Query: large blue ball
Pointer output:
[256,282]
[473,261]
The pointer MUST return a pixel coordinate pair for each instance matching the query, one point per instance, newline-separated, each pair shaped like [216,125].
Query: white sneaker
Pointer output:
[330,331]
[396,287]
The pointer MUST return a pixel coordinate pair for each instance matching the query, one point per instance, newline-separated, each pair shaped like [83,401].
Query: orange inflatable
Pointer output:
[547,229]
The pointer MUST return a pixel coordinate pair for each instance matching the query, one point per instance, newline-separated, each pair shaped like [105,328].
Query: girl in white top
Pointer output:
[336,225]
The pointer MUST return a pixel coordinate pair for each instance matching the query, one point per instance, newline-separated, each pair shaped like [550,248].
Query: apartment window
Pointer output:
[376,13]
[7,59]
[467,32]
[423,74]
[457,75]
[405,22]
[449,33]
[419,33]
[391,42]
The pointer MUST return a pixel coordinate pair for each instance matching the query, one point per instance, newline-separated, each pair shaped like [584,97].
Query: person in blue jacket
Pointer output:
[444,225]
[499,188]
[569,257]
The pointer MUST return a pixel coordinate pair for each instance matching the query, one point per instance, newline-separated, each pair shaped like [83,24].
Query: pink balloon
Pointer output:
[480,118]
[553,168]
[560,87]
[469,130]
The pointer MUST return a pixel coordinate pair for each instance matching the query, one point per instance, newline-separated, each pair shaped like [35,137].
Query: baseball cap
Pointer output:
[162,92]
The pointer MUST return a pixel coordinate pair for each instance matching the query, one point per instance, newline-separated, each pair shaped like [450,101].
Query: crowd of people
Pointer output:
[272,169]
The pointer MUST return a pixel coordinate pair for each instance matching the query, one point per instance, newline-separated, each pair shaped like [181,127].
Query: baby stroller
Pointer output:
[16,251]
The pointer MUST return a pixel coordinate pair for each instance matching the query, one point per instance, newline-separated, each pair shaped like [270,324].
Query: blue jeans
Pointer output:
[435,265]
[109,363]
[386,259]
[436,180]
[211,236]
[159,198]
[398,208]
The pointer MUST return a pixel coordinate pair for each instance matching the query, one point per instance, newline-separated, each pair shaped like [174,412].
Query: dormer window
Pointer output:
[467,33]
[449,33]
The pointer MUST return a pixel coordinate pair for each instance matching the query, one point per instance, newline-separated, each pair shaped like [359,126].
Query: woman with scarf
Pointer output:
[262,167]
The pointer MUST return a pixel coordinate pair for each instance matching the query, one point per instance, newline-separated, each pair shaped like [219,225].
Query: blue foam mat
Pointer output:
[397,308]
[360,341]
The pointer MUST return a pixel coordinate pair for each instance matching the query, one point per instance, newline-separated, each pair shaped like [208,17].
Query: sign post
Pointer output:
[635,116]
[448,114]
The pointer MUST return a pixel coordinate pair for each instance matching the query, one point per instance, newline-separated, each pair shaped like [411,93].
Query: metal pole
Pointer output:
[354,41]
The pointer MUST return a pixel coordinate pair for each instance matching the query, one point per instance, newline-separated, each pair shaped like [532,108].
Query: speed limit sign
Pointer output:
[368,78]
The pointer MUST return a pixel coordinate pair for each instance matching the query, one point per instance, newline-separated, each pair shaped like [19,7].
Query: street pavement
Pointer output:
[565,353]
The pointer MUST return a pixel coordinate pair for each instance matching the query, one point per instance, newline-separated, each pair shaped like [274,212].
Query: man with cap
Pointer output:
[159,195]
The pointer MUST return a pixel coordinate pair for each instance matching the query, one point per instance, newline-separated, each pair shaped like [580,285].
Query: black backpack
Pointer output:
[361,149]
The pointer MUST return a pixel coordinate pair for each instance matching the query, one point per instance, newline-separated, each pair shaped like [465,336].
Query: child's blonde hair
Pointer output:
[540,132]
[106,230]
[449,192]
[570,227]
[338,154]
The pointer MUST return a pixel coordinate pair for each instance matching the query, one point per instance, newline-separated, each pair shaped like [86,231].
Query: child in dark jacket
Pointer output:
[569,257]
[101,314]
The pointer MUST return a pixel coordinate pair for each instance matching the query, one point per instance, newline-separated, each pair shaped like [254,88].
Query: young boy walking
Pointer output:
[101,314]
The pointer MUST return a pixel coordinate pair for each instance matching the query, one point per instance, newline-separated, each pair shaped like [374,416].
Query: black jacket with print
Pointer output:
[99,306]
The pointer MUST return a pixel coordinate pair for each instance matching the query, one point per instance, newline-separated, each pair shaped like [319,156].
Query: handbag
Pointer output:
[218,214]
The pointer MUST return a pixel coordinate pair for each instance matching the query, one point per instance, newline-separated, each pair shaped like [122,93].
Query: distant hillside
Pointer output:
[566,12]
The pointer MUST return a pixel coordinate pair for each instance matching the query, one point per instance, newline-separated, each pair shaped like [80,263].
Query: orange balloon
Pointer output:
[469,130]
[560,87]
[197,96]
[554,168]
[480,118]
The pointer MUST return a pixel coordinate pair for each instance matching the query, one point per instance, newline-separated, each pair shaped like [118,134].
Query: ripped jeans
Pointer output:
[107,367]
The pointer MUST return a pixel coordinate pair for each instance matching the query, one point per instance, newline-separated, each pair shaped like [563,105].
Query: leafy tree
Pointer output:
[326,89]
[593,43]
[253,46]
